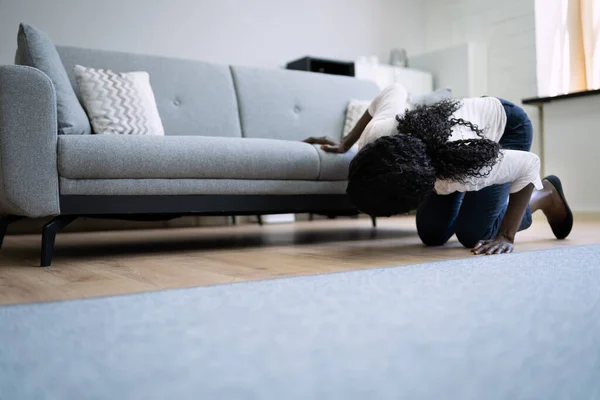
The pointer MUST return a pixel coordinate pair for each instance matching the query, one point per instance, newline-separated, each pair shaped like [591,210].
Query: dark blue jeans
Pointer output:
[475,216]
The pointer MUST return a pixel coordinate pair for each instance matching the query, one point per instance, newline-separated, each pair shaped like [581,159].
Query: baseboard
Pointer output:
[577,215]
[586,215]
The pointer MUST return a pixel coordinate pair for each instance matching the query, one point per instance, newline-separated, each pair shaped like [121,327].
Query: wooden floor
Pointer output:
[107,263]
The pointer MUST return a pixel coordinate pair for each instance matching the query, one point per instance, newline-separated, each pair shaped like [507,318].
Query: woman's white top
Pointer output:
[519,168]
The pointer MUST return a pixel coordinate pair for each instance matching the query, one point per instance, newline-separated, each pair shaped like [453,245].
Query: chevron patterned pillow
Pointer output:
[119,103]
[355,110]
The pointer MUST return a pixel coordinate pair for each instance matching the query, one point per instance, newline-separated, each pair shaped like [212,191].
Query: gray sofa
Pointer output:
[232,145]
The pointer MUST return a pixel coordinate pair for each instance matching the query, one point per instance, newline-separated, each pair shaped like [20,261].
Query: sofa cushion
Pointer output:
[120,157]
[35,49]
[192,97]
[293,105]
[333,166]
[173,187]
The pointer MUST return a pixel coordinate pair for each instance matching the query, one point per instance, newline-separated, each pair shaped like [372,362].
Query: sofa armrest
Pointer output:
[28,136]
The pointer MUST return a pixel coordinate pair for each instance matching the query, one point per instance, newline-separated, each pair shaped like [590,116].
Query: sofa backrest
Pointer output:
[292,105]
[193,97]
[206,99]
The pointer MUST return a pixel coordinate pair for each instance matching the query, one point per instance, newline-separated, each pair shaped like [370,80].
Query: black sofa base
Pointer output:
[153,207]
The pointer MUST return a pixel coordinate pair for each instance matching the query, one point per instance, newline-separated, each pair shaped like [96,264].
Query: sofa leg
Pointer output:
[310,216]
[233,220]
[259,218]
[5,220]
[374,222]
[49,235]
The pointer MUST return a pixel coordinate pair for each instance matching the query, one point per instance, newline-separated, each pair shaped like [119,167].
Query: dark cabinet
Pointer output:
[322,65]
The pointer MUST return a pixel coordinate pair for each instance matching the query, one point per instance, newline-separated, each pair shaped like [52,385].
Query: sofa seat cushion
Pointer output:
[193,157]
[174,187]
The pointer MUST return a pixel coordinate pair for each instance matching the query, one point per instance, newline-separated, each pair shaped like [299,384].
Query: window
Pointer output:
[568,48]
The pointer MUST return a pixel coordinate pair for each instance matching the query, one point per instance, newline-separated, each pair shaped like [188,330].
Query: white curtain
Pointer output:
[568,48]
[590,27]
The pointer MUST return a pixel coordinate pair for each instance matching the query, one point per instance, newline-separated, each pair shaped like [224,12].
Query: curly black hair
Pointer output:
[393,174]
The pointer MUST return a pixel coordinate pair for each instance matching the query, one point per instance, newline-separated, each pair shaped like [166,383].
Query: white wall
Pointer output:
[506,28]
[249,32]
[571,144]
[462,68]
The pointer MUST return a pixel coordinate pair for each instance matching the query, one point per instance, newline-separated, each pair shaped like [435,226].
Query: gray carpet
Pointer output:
[524,326]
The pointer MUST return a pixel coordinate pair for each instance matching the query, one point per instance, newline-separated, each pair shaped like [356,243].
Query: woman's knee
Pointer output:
[436,216]
[433,237]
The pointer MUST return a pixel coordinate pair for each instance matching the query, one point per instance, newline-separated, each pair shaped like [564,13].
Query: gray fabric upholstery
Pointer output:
[36,49]
[514,327]
[123,156]
[28,131]
[334,167]
[293,105]
[208,149]
[120,187]
[193,97]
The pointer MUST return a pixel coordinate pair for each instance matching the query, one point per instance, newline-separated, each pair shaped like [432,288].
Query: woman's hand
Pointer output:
[327,144]
[500,245]
[347,142]
[503,243]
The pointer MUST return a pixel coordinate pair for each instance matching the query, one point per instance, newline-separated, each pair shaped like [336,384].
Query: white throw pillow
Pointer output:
[355,110]
[119,103]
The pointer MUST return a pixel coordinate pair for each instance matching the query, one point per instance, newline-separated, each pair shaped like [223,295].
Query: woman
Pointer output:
[455,162]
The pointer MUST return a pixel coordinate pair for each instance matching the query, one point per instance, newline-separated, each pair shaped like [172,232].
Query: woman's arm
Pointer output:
[503,243]
[346,143]
[522,170]
[357,131]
